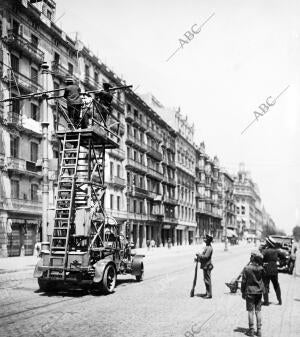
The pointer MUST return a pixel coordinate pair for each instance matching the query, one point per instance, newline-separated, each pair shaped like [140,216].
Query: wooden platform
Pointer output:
[99,135]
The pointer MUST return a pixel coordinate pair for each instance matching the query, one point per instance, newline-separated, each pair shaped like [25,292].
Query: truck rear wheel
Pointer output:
[291,267]
[45,285]
[140,277]
[109,279]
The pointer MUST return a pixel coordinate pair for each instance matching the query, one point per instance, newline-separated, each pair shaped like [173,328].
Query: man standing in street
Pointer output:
[206,265]
[74,101]
[270,258]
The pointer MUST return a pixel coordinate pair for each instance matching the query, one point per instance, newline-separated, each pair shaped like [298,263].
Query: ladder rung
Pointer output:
[59,238]
[58,248]
[61,219]
[64,190]
[63,200]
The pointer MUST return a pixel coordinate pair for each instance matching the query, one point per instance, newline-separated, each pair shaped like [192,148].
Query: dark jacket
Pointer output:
[252,279]
[71,94]
[105,98]
[205,257]
[270,261]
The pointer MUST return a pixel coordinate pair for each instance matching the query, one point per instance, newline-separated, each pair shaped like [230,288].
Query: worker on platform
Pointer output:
[74,101]
[104,97]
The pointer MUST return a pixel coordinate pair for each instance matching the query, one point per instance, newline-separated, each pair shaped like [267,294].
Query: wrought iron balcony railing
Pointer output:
[29,48]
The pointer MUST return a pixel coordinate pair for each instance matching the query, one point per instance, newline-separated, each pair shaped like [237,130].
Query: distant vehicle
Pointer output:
[286,258]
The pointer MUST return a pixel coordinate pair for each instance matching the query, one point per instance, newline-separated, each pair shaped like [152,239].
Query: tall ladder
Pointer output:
[65,205]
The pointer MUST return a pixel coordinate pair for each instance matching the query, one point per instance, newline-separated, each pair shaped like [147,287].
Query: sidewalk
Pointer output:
[22,263]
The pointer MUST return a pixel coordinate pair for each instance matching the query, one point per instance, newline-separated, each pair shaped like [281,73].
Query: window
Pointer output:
[14,62]
[34,190]
[14,147]
[34,41]
[128,107]
[111,169]
[237,210]
[56,58]
[128,178]
[15,189]
[243,209]
[96,77]
[118,203]
[141,182]
[128,152]
[119,170]
[111,201]
[134,206]
[70,68]
[141,207]
[34,75]
[49,14]
[35,112]
[33,152]
[87,71]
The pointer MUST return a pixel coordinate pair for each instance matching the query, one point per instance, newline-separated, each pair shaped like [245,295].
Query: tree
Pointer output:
[296,233]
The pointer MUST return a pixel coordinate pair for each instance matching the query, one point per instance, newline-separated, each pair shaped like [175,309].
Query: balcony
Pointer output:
[14,118]
[154,134]
[154,153]
[25,46]
[137,191]
[90,82]
[139,123]
[170,200]
[117,181]
[137,143]
[117,153]
[136,166]
[171,163]
[200,196]
[23,205]
[22,167]
[60,71]
[2,160]
[170,220]
[154,195]
[129,117]
[154,174]
[25,84]
[171,146]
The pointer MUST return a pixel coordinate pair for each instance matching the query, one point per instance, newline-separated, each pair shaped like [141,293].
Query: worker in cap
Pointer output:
[270,258]
[74,101]
[206,265]
[252,288]
[104,98]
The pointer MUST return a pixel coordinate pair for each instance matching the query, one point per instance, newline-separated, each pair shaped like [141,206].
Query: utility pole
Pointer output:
[45,167]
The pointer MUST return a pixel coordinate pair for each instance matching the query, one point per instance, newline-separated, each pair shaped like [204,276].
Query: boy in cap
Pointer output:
[206,265]
[252,288]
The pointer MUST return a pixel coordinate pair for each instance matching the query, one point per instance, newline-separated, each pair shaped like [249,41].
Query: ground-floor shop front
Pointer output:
[19,234]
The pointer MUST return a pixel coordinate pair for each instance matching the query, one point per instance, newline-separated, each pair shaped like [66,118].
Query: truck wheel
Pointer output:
[45,285]
[140,277]
[109,279]
[291,267]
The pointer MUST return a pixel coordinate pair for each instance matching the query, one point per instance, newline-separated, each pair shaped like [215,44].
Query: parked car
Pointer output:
[286,257]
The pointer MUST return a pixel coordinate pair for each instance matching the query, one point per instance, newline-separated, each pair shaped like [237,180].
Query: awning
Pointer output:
[231,233]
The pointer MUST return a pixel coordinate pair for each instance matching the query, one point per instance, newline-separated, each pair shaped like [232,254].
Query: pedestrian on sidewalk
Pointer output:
[206,265]
[152,243]
[270,258]
[148,244]
[252,288]
[169,243]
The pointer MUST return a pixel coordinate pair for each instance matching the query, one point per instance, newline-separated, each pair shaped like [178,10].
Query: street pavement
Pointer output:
[159,306]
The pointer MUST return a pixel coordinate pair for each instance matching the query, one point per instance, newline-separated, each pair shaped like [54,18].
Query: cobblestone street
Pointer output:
[159,306]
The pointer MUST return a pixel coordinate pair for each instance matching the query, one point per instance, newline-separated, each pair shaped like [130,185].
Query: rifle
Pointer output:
[195,280]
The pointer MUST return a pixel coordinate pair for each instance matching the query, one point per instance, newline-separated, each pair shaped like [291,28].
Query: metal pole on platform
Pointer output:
[45,167]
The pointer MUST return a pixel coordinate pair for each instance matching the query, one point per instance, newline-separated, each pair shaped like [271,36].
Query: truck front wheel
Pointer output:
[109,279]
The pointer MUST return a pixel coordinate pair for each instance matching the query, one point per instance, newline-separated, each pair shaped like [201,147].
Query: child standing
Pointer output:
[252,288]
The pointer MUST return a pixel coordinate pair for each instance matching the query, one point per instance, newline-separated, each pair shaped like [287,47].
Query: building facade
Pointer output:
[248,205]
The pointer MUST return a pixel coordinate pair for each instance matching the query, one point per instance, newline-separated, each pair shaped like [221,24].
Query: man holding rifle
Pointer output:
[206,265]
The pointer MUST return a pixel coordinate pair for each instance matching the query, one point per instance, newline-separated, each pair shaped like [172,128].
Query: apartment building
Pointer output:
[29,38]
[208,194]
[248,201]
[185,230]
[228,205]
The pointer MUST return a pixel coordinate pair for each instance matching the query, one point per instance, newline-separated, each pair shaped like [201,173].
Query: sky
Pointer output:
[241,54]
